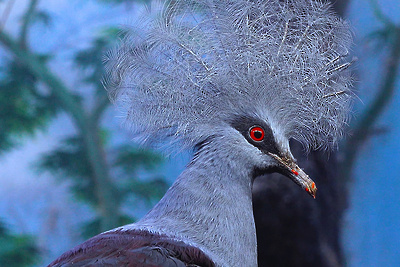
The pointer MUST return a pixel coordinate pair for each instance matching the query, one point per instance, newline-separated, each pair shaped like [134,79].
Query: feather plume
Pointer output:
[194,65]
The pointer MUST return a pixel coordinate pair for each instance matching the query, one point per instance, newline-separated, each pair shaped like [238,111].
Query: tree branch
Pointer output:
[27,19]
[101,104]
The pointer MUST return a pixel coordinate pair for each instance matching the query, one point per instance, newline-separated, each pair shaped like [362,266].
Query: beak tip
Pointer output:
[312,191]
[295,173]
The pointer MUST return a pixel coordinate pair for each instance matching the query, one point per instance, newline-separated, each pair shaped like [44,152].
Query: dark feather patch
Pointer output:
[133,248]
[243,125]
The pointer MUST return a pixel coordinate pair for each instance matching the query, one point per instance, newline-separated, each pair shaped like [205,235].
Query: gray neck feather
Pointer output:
[210,206]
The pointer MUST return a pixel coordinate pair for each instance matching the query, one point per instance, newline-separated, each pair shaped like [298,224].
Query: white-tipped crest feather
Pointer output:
[196,64]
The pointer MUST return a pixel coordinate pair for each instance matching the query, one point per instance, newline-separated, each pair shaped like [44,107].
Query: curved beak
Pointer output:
[296,174]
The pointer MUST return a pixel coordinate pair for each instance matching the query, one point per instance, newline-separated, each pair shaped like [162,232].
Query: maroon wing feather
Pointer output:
[133,248]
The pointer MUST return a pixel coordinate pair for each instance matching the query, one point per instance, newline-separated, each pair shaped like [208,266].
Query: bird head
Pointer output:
[272,151]
[269,71]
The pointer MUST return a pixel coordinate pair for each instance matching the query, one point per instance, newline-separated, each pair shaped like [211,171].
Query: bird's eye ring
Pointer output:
[257,133]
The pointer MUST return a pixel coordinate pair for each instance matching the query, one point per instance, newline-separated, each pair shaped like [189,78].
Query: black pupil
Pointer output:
[257,134]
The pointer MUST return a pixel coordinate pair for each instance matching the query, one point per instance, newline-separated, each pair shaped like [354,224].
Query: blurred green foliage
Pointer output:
[17,250]
[69,160]
[102,175]
[90,60]
[24,106]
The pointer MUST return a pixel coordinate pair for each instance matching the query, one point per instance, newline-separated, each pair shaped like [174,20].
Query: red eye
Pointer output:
[257,133]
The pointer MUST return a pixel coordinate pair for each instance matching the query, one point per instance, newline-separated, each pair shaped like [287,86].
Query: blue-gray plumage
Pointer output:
[235,80]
